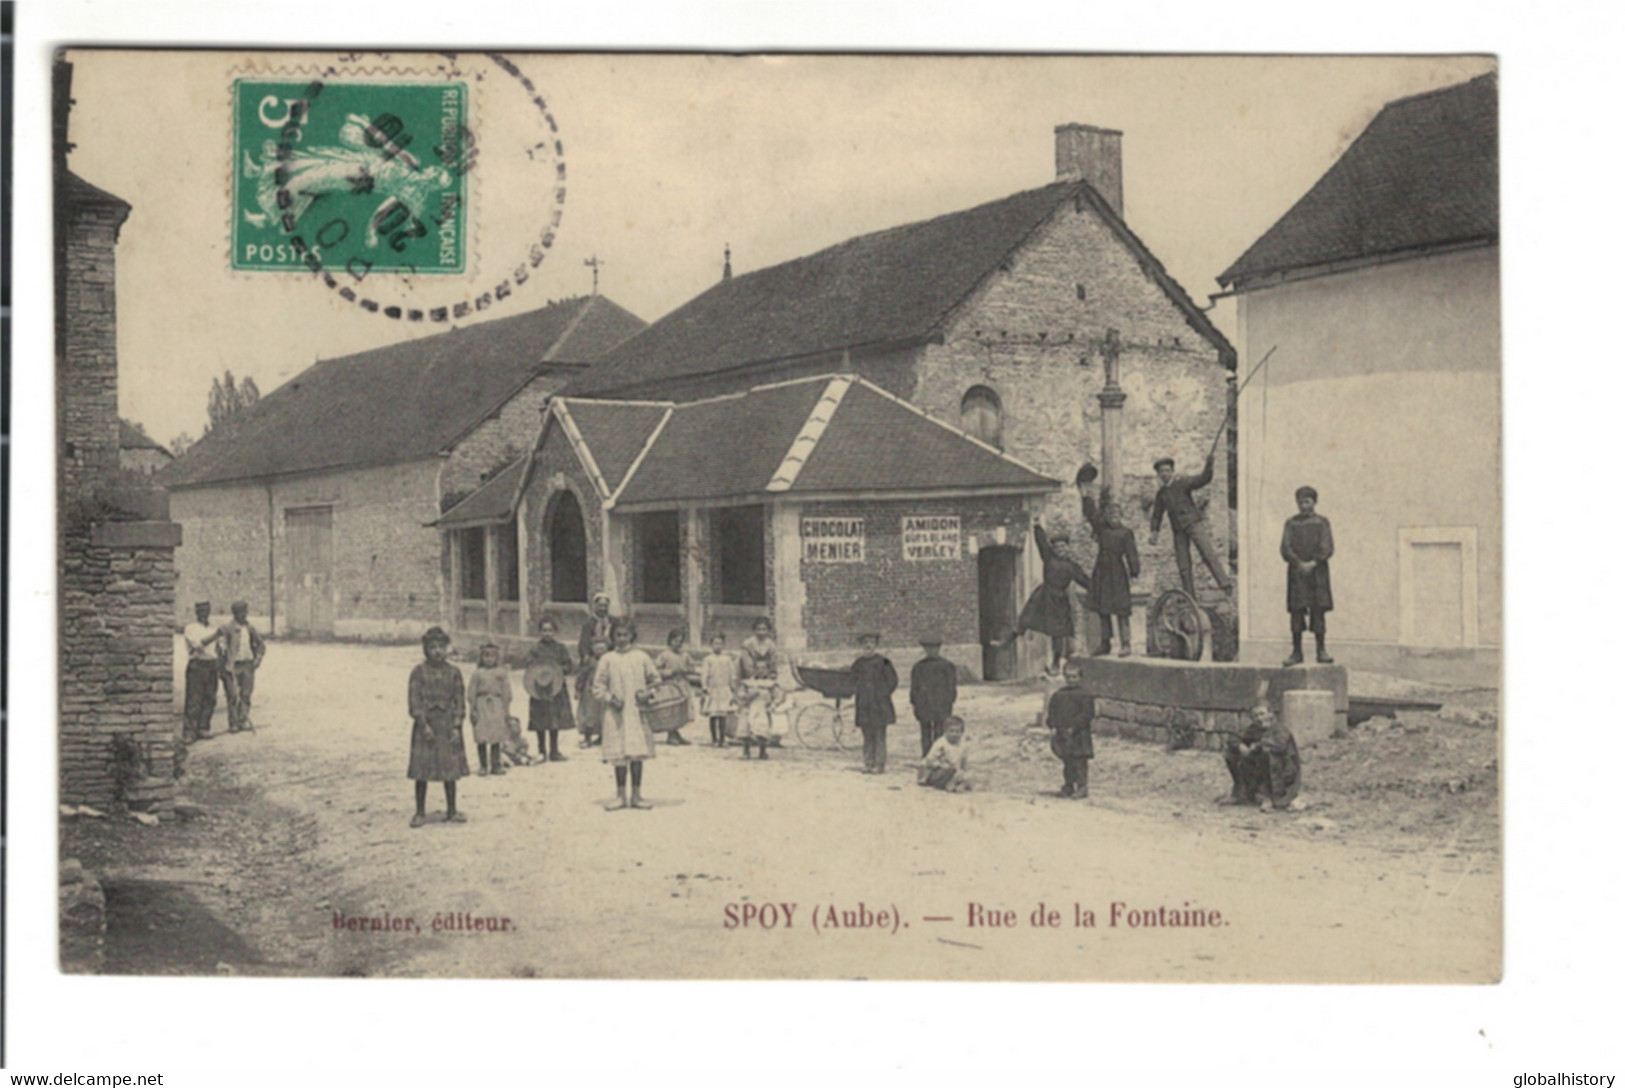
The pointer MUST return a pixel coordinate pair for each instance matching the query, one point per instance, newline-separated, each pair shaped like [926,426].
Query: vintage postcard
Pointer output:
[699,516]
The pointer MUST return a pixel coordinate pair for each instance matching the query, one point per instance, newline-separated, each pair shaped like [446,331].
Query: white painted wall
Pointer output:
[1384,394]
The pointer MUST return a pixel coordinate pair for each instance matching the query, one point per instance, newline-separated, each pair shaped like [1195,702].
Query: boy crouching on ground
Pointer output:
[946,764]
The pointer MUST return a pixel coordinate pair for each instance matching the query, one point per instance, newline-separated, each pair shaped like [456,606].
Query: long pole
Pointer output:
[1256,367]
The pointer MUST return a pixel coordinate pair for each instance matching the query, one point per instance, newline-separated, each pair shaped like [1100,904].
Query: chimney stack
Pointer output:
[1094,155]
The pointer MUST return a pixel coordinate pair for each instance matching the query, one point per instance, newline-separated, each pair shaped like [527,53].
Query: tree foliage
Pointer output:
[227,398]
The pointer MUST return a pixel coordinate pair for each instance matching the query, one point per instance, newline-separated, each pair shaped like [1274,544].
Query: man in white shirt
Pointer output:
[202,674]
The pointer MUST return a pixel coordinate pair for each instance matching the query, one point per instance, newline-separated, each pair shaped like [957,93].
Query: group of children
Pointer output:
[740,696]
[736,695]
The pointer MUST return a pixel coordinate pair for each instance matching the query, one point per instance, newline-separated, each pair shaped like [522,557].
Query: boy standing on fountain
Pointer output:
[1174,498]
[1306,545]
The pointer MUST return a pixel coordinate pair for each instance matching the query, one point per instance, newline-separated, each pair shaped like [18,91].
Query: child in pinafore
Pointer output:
[434,696]
[622,682]
[589,712]
[759,684]
[873,681]
[1071,717]
[718,673]
[548,670]
[489,696]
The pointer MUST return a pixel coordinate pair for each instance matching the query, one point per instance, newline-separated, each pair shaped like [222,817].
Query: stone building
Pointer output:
[118,729]
[1000,320]
[805,513]
[317,504]
[1379,291]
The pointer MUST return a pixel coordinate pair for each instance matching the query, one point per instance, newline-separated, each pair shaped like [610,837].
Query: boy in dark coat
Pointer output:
[1117,564]
[1306,545]
[1071,716]
[1263,760]
[874,679]
[933,685]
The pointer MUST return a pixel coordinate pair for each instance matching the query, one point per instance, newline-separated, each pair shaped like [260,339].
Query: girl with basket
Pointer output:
[621,685]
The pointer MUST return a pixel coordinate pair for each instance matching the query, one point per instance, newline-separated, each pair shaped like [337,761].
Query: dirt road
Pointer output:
[309,831]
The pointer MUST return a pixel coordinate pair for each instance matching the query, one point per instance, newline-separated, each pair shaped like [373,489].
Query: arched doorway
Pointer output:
[567,549]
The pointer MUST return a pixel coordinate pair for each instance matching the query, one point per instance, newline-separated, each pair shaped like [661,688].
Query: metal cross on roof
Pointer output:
[595,264]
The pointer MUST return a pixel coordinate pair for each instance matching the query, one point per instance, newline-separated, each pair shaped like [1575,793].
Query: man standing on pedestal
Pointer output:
[1174,497]
[1306,545]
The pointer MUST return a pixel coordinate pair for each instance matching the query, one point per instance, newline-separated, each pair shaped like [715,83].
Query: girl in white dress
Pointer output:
[621,684]
[719,673]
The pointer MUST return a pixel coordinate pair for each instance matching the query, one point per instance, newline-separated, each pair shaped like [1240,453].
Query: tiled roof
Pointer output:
[892,287]
[1424,173]
[727,446]
[76,190]
[400,403]
[494,500]
[615,432]
[853,438]
[131,439]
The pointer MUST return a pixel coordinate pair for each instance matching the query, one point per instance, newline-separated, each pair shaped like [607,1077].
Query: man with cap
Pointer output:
[1174,498]
[873,681]
[933,685]
[1049,610]
[244,650]
[202,674]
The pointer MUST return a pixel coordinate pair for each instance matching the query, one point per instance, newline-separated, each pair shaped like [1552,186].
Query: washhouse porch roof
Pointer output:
[830,437]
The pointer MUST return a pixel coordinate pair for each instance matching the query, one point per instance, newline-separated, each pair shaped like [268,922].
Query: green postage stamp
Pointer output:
[354,176]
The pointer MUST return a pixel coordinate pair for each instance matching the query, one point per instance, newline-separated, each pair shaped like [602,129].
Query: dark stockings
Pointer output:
[1076,770]
[1315,620]
[421,790]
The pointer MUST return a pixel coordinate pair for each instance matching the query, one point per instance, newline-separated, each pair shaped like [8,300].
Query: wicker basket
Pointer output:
[668,708]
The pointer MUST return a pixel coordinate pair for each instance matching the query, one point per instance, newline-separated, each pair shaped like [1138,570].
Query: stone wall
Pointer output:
[499,440]
[117,648]
[1026,335]
[386,580]
[87,345]
[117,729]
[1198,705]
[902,599]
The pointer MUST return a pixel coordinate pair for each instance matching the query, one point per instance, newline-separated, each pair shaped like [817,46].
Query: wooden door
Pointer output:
[310,570]
[997,610]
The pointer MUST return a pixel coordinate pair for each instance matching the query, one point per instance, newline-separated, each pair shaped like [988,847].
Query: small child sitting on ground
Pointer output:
[948,760]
